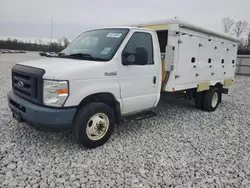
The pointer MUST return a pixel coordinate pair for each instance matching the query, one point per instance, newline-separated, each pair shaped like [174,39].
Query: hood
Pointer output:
[68,69]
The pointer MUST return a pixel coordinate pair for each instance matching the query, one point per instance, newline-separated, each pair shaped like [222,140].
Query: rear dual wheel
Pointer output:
[199,99]
[208,100]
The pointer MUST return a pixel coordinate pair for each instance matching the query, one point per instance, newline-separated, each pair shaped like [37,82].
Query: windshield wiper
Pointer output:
[80,56]
[86,56]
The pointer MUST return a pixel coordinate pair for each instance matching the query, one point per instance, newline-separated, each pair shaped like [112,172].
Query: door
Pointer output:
[219,60]
[187,68]
[230,61]
[139,83]
[206,62]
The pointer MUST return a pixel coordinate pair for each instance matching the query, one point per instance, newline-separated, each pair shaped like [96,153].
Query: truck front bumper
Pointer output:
[41,117]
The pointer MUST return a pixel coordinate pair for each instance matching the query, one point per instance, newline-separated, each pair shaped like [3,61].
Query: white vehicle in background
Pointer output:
[51,54]
[107,74]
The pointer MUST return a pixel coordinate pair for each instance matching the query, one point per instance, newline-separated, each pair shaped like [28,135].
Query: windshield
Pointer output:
[100,44]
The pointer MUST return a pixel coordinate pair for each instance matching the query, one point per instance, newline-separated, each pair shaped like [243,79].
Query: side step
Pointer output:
[139,116]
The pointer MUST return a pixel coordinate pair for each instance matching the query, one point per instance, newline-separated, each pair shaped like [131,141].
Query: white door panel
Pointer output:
[139,83]
[205,63]
[138,90]
[219,55]
[230,61]
[133,104]
[188,58]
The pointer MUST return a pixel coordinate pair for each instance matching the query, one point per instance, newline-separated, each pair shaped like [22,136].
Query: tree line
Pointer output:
[15,44]
[239,29]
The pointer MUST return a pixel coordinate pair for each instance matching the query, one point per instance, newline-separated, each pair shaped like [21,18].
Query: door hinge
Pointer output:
[174,33]
[179,42]
[177,76]
[200,45]
[172,67]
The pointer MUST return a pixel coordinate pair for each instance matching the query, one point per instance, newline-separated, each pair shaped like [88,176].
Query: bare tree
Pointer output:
[240,27]
[248,40]
[227,24]
[65,42]
[248,37]
[60,41]
[40,41]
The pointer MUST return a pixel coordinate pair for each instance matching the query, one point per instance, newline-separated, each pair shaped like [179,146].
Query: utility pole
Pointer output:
[51,32]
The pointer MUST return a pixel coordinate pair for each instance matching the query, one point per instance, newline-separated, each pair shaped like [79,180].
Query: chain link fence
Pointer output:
[243,65]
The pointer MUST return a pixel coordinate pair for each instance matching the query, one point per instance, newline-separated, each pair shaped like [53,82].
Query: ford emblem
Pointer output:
[20,83]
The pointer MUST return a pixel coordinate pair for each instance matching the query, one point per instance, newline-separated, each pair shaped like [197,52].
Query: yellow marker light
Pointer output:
[62,91]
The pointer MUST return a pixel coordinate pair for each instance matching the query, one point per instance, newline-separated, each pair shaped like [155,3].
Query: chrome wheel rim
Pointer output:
[215,99]
[97,126]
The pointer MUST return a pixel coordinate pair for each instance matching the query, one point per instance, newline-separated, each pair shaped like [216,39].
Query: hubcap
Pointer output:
[215,99]
[97,126]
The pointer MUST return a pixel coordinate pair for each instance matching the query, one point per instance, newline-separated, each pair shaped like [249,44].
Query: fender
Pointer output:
[80,89]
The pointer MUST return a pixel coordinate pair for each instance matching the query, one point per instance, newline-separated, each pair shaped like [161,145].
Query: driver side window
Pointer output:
[139,39]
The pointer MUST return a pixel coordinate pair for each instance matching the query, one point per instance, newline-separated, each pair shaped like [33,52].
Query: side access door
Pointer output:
[187,71]
[140,84]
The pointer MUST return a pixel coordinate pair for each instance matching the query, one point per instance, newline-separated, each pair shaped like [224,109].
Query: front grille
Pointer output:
[27,83]
[23,84]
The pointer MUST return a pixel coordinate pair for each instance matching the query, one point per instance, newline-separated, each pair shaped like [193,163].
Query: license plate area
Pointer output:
[18,106]
[17,117]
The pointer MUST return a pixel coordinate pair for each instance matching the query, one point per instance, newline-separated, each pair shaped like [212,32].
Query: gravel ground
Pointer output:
[181,147]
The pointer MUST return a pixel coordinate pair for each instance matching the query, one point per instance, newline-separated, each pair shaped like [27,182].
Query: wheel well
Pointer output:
[220,88]
[218,85]
[106,98]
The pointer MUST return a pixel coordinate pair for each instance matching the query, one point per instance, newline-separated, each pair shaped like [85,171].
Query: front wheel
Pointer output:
[94,124]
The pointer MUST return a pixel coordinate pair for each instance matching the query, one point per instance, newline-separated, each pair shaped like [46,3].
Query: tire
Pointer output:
[199,99]
[211,99]
[220,97]
[94,119]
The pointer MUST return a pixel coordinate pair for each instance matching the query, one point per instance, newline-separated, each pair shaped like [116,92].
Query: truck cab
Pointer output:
[103,74]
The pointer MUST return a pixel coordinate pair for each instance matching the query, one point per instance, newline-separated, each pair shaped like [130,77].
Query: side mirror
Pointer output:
[128,58]
[140,57]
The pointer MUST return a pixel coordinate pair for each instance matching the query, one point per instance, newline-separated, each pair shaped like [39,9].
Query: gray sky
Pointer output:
[32,18]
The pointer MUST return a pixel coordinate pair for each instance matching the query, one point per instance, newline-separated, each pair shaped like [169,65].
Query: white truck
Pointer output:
[109,73]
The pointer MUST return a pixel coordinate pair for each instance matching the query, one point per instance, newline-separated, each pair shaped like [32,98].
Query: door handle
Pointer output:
[154,79]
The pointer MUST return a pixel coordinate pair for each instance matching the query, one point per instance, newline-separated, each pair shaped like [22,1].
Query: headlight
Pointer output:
[55,93]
